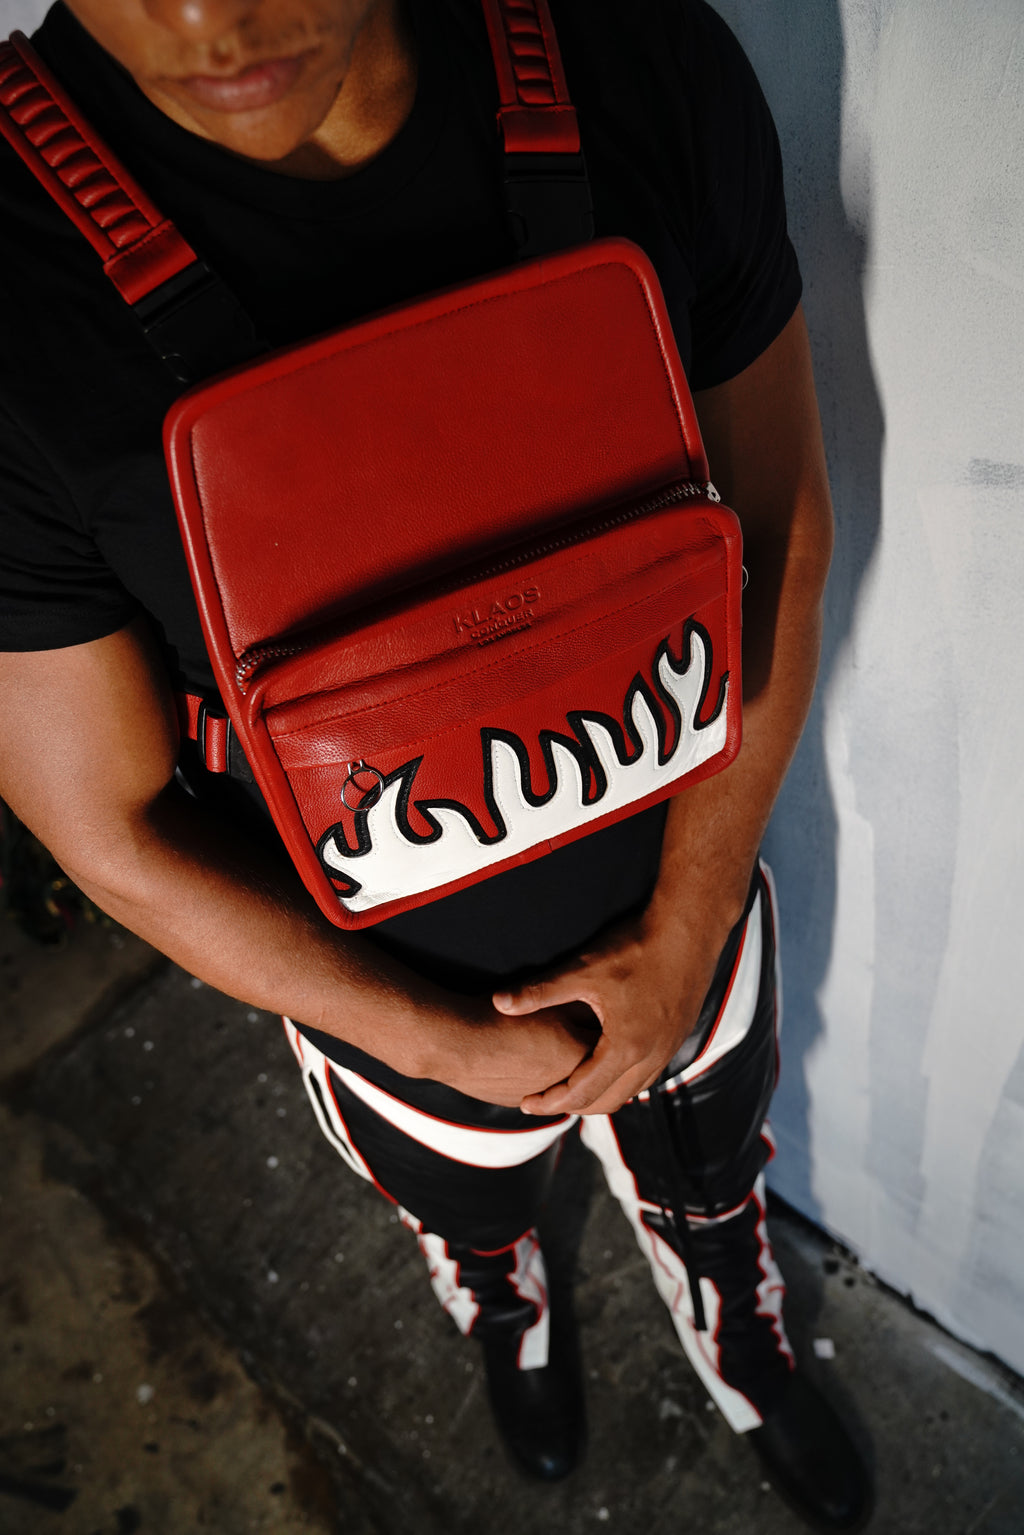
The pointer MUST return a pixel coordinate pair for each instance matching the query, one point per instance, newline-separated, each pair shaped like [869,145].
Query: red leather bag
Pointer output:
[466,589]
[470,546]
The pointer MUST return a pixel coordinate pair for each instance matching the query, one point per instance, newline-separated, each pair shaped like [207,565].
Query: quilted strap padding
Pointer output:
[140,249]
[536,115]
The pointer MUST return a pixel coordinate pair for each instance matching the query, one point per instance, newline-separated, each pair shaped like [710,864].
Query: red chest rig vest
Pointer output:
[466,589]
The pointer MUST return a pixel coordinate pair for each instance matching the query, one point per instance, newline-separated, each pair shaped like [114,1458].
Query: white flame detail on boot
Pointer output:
[395,867]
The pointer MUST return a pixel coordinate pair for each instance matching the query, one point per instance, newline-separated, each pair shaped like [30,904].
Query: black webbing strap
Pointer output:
[547,191]
[548,202]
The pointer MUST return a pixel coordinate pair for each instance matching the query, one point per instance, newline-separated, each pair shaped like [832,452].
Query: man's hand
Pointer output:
[506,1060]
[644,981]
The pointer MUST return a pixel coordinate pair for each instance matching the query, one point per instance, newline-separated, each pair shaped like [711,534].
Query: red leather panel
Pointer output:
[157,255]
[216,745]
[536,130]
[553,600]
[188,705]
[355,726]
[428,436]
[139,248]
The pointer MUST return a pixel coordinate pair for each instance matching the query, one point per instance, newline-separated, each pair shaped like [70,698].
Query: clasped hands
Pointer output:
[625,1006]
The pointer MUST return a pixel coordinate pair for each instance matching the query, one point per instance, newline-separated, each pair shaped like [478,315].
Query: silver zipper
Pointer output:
[684,490]
[256,656]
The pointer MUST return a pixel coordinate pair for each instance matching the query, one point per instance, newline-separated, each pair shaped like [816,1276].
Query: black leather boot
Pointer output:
[539,1413]
[810,1460]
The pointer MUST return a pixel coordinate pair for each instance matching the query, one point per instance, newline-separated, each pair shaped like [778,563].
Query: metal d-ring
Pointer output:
[368,797]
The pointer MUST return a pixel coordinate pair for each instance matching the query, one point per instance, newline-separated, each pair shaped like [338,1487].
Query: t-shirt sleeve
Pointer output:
[747,277]
[56,588]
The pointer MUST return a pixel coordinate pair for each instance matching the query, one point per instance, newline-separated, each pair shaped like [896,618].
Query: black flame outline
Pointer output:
[592,775]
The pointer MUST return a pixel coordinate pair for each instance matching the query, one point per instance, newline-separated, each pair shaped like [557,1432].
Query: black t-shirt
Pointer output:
[683,159]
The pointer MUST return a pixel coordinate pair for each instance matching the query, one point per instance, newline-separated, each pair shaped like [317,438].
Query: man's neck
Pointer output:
[371,107]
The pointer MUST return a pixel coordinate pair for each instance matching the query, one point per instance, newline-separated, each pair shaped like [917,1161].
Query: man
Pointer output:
[330,157]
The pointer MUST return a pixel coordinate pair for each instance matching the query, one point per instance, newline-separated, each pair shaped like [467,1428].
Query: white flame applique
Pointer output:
[603,766]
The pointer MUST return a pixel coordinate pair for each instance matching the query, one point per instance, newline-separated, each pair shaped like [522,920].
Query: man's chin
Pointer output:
[274,136]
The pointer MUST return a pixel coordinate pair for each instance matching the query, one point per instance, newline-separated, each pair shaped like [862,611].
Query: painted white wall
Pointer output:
[21,15]
[898,841]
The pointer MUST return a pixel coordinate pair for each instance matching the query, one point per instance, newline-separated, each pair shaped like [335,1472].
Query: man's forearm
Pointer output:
[713,830]
[241,921]
[763,440]
[88,744]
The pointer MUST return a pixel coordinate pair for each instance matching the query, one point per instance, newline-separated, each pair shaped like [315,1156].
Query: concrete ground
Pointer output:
[209,1324]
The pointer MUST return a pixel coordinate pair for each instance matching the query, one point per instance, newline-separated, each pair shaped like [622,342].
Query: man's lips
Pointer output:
[258,86]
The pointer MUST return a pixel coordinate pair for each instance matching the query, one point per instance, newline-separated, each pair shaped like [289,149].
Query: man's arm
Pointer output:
[647,978]
[88,744]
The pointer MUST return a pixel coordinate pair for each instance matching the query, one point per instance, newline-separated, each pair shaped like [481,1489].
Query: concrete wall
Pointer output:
[898,841]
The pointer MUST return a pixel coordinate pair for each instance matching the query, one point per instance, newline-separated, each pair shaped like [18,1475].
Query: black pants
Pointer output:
[469,1177]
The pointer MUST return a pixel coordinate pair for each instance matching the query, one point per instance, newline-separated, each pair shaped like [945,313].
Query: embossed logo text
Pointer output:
[490,621]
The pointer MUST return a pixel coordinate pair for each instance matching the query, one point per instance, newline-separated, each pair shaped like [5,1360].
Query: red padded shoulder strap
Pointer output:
[140,249]
[536,115]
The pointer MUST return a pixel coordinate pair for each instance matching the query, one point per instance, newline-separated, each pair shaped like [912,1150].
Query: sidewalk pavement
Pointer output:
[211,1324]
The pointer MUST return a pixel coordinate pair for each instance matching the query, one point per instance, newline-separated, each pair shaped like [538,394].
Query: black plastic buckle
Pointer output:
[235,758]
[196,325]
[549,202]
